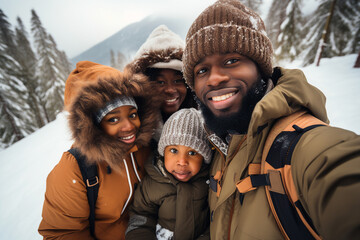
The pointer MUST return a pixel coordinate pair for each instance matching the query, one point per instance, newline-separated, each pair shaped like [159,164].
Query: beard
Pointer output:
[237,122]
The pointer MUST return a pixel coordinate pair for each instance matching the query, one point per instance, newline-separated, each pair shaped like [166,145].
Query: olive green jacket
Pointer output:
[180,207]
[325,168]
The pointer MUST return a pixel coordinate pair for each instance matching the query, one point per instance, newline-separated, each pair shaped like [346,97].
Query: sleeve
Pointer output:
[143,213]
[327,177]
[66,209]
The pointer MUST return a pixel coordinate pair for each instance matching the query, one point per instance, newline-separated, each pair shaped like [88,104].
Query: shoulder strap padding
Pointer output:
[91,180]
[290,216]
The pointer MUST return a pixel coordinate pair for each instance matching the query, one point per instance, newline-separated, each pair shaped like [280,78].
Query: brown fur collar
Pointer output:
[90,139]
[146,60]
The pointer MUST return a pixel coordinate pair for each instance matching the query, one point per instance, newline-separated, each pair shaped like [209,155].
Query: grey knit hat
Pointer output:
[227,26]
[118,102]
[185,127]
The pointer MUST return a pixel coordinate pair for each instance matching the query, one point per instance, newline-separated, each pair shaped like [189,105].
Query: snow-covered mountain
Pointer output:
[129,39]
[26,164]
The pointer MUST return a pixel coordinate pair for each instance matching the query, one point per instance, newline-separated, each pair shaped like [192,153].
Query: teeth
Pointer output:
[171,100]
[223,97]
[128,137]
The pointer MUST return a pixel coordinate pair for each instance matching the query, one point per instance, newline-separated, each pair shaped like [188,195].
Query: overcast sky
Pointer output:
[77,25]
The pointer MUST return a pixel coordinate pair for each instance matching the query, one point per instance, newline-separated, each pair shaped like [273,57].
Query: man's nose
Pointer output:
[217,76]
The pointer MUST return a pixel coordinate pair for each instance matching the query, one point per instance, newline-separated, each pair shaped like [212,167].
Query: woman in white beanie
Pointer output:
[160,59]
[171,201]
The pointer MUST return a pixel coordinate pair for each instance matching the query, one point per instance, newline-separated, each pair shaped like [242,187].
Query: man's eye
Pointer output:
[192,153]
[173,150]
[231,61]
[201,71]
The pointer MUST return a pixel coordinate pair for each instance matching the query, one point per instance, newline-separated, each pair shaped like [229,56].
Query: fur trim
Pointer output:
[141,64]
[90,138]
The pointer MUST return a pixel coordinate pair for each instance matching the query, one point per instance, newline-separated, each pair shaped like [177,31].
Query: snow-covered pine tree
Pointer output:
[121,60]
[253,4]
[290,32]
[112,59]
[118,62]
[62,61]
[342,34]
[15,120]
[51,81]
[28,64]
[274,19]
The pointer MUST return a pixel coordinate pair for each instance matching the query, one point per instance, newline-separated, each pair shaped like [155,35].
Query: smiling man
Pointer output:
[228,64]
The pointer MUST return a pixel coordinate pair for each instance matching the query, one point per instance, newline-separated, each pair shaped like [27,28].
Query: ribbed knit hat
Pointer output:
[162,49]
[185,127]
[118,102]
[227,26]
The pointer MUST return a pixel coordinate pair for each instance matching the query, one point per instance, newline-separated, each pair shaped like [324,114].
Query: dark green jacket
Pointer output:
[180,207]
[325,169]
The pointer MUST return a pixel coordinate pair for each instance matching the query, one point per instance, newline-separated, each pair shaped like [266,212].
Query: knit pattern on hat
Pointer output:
[227,26]
[118,102]
[162,49]
[185,127]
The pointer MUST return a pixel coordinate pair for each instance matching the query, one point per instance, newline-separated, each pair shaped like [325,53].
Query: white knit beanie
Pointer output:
[162,49]
[185,127]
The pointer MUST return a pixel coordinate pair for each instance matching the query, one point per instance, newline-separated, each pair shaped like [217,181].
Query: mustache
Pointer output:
[239,121]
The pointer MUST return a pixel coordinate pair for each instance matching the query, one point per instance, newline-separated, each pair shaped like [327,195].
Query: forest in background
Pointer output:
[33,70]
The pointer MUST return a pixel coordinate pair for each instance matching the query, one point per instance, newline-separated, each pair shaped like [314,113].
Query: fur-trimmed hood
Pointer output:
[104,85]
[162,49]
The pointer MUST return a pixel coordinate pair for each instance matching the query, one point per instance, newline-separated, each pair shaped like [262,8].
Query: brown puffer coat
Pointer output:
[325,169]
[179,207]
[66,210]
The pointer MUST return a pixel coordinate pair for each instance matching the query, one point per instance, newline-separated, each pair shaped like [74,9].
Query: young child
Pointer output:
[112,117]
[171,201]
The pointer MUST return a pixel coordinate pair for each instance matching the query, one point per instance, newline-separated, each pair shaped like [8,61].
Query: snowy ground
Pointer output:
[25,165]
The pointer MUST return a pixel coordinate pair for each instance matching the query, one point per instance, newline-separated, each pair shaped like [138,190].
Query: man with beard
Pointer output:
[227,62]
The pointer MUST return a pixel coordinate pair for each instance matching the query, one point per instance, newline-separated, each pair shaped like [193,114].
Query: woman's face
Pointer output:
[171,85]
[122,123]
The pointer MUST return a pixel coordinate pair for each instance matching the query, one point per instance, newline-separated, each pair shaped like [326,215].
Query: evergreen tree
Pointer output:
[121,61]
[342,32]
[62,62]
[253,4]
[15,120]
[112,59]
[290,35]
[274,20]
[51,82]
[28,63]
[118,62]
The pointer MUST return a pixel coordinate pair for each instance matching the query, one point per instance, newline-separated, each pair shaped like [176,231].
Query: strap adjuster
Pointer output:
[92,182]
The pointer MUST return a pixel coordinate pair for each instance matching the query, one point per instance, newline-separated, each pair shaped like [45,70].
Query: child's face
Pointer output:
[122,123]
[182,162]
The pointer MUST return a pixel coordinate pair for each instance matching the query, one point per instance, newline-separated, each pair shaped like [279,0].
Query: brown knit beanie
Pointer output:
[227,26]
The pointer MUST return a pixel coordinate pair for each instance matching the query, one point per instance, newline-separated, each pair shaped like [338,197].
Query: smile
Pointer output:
[171,100]
[128,137]
[223,97]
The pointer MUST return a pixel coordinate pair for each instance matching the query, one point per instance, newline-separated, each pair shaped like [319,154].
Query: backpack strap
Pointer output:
[292,219]
[91,180]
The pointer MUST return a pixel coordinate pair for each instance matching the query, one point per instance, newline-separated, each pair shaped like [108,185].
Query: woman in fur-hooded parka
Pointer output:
[66,210]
